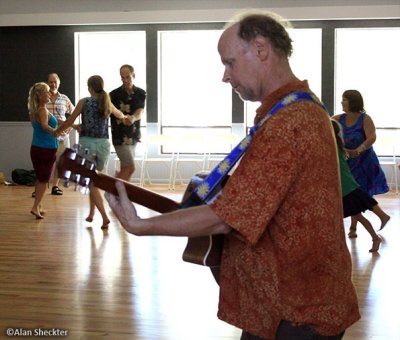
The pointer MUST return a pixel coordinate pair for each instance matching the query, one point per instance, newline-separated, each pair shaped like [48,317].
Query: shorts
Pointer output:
[96,150]
[62,145]
[126,154]
[43,161]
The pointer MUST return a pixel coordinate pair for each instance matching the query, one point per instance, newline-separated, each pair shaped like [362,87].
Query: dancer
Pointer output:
[44,142]
[355,200]
[359,136]
[93,136]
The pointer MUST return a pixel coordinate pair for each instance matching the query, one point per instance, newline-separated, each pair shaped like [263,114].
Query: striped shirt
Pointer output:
[59,107]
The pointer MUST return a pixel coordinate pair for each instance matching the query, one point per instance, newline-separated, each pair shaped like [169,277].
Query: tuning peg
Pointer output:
[85,190]
[76,180]
[66,174]
[80,160]
[66,183]
[76,147]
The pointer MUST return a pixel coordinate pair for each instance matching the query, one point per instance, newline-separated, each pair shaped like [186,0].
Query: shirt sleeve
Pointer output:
[141,99]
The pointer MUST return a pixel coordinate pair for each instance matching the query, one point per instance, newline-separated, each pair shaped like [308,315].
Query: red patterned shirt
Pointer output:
[286,258]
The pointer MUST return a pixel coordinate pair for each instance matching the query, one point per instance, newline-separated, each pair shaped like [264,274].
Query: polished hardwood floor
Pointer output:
[65,274]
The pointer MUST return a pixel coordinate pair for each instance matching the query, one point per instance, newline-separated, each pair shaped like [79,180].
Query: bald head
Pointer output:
[53,81]
[255,51]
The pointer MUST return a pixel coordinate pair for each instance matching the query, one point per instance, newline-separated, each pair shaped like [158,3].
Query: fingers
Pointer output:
[120,203]
[122,207]
[121,191]
[111,199]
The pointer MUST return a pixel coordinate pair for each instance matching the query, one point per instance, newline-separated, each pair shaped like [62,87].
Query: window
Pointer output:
[305,61]
[191,92]
[367,60]
[103,53]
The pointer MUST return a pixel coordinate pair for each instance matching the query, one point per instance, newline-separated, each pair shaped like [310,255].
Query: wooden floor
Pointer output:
[66,274]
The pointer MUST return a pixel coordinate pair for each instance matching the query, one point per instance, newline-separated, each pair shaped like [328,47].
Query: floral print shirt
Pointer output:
[286,258]
[128,104]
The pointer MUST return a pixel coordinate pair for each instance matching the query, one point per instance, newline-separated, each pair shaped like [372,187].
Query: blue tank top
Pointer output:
[42,138]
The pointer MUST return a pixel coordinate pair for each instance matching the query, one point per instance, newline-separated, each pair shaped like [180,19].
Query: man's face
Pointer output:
[127,78]
[54,83]
[240,65]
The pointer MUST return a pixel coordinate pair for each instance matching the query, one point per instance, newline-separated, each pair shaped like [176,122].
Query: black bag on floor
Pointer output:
[23,177]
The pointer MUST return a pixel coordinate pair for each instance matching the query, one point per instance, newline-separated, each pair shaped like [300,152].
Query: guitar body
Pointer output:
[205,250]
[202,250]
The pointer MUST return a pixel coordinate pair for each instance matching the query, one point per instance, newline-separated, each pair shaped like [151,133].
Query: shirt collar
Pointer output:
[277,95]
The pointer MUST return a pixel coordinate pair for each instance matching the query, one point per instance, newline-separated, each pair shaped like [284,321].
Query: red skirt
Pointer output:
[43,161]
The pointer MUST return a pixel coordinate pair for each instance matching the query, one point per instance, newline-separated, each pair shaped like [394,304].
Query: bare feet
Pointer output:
[375,244]
[105,224]
[384,221]
[352,233]
[37,214]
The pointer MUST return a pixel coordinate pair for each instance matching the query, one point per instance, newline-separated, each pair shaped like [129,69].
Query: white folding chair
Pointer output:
[153,155]
[190,150]
[385,147]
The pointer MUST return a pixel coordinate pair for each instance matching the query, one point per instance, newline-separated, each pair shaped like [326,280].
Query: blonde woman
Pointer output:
[93,135]
[44,142]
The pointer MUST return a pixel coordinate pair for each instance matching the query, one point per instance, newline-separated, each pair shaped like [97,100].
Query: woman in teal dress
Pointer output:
[359,135]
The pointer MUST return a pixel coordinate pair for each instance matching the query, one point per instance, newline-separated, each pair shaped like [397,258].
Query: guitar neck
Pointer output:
[144,197]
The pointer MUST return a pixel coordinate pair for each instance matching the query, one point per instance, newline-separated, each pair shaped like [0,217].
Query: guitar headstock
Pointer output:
[75,168]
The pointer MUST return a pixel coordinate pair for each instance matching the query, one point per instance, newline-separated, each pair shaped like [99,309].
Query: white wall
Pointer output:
[61,12]
[15,143]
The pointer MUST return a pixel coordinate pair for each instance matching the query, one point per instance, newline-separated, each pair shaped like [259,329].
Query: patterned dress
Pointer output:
[365,168]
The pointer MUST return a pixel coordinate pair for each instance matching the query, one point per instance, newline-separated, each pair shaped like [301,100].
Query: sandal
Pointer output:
[56,191]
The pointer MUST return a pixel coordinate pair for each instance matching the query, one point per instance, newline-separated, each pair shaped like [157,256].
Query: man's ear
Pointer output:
[262,47]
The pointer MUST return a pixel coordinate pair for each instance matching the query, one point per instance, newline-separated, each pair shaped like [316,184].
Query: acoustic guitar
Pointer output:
[204,250]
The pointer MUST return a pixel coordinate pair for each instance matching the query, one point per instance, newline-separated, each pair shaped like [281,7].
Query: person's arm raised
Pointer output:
[137,115]
[117,113]
[71,119]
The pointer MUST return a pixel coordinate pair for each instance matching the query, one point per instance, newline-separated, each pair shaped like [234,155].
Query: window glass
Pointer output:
[306,63]
[216,140]
[367,60]
[191,91]
[103,53]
